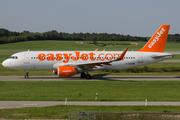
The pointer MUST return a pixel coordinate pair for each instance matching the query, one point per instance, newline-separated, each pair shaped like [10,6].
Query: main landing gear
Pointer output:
[27,74]
[84,75]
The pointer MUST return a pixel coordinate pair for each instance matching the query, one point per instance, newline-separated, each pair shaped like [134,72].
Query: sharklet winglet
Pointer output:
[121,57]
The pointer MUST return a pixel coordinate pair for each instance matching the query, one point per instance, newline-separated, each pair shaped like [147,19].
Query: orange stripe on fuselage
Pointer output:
[75,56]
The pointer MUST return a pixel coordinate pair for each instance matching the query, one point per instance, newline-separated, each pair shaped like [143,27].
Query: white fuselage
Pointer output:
[50,60]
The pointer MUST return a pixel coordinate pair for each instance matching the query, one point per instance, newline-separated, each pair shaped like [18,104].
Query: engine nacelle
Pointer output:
[65,71]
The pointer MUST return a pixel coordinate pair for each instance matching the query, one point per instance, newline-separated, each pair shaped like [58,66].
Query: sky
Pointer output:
[133,17]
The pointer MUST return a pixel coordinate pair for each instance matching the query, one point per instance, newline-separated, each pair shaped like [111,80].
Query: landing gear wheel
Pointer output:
[88,76]
[26,76]
[83,75]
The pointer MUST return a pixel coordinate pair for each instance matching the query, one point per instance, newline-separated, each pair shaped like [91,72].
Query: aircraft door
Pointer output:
[140,58]
[26,58]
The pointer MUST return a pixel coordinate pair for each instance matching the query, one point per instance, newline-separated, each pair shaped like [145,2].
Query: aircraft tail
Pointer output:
[157,42]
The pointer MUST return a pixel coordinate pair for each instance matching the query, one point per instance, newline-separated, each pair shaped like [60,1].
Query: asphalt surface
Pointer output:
[22,104]
[171,60]
[94,78]
[173,52]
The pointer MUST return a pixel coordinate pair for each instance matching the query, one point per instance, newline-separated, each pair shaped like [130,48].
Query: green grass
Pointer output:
[170,46]
[4,56]
[6,71]
[164,64]
[72,45]
[176,57]
[62,112]
[86,90]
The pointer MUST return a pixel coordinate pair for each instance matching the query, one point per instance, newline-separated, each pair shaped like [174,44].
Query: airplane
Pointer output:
[69,63]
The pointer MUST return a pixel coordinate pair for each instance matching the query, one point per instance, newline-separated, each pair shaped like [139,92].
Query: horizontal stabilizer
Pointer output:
[163,56]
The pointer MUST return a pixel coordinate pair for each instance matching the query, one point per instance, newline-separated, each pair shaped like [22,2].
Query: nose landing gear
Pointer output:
[27,74]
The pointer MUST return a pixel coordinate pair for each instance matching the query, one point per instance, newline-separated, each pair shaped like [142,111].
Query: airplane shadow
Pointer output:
[134,78]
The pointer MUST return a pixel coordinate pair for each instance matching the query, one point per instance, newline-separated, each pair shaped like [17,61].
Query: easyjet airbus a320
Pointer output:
[69,63]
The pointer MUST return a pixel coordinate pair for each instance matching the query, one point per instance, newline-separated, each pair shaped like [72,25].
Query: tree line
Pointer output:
[7,36]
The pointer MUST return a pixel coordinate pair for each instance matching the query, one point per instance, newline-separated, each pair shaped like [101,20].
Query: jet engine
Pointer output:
[65,71]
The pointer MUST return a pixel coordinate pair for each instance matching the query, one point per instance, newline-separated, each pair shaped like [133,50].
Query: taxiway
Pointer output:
[94,78]
[22,104]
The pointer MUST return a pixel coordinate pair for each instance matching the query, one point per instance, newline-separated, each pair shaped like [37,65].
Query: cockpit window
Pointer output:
[13,57]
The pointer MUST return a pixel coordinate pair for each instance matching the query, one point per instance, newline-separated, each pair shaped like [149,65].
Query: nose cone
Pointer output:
[5,63]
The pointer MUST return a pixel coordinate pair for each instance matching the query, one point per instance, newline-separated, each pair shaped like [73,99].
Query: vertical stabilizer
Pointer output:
[157,42]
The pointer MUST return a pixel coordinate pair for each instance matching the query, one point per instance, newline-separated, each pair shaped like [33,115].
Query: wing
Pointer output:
[100,64]
[93,64]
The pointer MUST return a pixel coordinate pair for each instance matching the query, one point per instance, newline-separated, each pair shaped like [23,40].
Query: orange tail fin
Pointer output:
[157,42]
